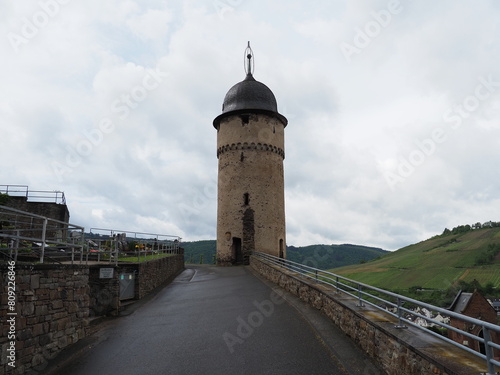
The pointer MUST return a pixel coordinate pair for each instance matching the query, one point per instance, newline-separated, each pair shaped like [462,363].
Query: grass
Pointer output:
[437,263]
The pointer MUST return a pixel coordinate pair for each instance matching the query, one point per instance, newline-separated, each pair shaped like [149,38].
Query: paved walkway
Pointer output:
[221,320]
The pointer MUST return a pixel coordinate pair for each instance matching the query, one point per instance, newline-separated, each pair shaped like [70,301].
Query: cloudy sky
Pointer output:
[393,110]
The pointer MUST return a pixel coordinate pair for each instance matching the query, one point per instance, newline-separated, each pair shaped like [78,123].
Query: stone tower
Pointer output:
[250,149]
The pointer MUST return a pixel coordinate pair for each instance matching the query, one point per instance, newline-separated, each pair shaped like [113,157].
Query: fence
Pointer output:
[33,195]
[110,244]
[29,237]
[394,304]
[37,238]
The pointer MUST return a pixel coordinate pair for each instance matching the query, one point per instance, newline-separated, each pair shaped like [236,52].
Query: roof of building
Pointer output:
[249,95]
[460,302]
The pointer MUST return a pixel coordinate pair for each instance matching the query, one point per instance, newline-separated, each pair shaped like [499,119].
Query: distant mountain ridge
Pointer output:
[331,256]
[318,256]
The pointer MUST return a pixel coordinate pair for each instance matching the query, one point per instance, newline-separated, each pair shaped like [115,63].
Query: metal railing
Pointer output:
[31,236]
[54,196]
[382,300]
[110,244]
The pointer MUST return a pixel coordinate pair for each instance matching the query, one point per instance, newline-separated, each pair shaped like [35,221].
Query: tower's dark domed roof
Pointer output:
[249,94]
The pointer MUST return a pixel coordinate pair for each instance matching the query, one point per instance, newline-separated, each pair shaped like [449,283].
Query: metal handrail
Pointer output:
[117,231]
[55,196]
[28,231]
[39,231]
[361,292]
[161,243]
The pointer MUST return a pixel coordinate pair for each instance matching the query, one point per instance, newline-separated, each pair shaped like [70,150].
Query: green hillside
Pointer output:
[318,256]
[329,256]
[199,252]
[464,255]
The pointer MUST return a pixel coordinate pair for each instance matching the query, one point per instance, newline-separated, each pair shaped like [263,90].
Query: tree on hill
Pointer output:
[488,256]
[467,228]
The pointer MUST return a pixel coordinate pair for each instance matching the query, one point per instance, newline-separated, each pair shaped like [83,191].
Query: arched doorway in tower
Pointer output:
[237,254]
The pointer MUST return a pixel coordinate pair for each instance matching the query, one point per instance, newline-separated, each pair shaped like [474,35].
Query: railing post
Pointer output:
[488,351]
[316,273]
[113,243]
[337,284]
[400,324]
[73,251]
[360,296]
[17,244]
[44,229]
[72,254]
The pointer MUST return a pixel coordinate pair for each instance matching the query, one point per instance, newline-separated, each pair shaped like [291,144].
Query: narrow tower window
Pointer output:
[246,199]
[242,157]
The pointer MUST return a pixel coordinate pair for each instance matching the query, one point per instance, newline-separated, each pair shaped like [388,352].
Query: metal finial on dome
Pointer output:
[249,66]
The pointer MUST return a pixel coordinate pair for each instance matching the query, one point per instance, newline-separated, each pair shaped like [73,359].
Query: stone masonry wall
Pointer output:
[398,351]
[104,293]
[33,227]
[158,272]
[48,209]
[52,308]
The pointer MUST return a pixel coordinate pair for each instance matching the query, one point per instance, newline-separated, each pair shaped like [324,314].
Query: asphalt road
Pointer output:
[221,320]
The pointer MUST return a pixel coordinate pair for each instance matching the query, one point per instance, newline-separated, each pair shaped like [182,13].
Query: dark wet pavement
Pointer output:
[221,320]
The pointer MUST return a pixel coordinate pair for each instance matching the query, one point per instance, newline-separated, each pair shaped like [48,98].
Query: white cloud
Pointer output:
[152,24]
[153,166]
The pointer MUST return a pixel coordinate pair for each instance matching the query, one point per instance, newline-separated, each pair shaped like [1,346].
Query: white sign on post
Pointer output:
[106,273]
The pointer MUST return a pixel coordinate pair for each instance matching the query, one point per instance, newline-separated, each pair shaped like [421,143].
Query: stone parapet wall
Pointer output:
[409,351]
[149,275]
[52,309]
[51,210]
[155,273]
